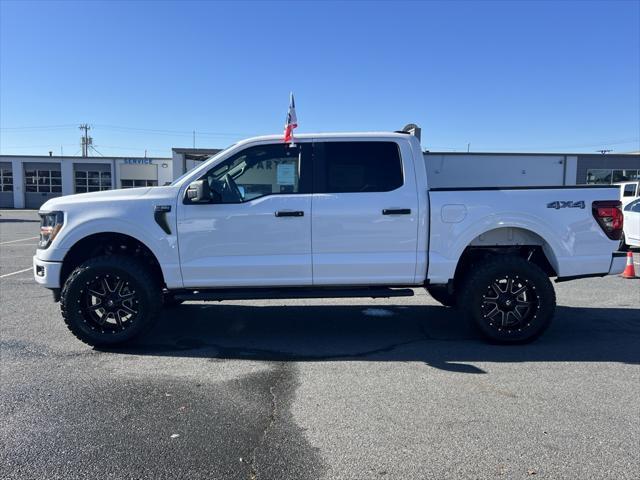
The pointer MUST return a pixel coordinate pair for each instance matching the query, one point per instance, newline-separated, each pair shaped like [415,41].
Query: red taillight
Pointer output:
[608,214]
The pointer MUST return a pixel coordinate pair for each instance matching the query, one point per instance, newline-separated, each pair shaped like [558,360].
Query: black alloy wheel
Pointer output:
[110,300]
[508,299]
[110,303]
[510,303]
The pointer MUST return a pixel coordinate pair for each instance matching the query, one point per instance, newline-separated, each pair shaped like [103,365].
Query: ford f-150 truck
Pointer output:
[333,215]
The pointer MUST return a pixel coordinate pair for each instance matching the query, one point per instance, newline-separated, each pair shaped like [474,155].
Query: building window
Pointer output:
[608,176]
[138,183]
[43,181]
[92,181]
[6,180]
[625,175]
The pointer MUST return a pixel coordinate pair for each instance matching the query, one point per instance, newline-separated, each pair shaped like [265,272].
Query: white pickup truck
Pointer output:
[334,215]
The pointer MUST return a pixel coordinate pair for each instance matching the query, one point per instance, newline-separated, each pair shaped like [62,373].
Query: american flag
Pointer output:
[292,120]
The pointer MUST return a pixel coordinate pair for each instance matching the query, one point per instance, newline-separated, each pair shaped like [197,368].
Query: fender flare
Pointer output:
[553,247]
[122,227]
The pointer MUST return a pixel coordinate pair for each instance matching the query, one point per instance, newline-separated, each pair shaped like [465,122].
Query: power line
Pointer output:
[184,133]
[155,131]
[94,149]
[42,127]
[40,146]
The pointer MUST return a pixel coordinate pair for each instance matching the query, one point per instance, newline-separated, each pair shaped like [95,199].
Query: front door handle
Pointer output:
[396,211]
[289,213]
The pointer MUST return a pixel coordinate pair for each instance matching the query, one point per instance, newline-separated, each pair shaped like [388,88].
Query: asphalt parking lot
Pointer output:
[348,389]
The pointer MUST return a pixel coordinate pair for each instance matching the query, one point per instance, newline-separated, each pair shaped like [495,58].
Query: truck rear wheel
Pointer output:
[509,299]
[110,300]
[440,293]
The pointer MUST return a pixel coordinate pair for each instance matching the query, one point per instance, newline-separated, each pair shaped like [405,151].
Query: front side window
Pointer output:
[256,172]
[359,167]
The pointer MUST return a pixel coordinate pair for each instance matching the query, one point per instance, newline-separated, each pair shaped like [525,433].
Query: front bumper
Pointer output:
[618,262]
[46,274]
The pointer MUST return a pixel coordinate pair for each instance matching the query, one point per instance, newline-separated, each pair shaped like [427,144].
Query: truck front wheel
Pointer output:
[109,300]
[509,299]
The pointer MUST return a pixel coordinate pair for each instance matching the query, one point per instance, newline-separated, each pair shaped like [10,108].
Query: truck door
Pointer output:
[365,214]
[257,229]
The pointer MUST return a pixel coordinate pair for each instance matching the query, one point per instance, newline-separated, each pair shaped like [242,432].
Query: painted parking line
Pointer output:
[18,240]
[15,273]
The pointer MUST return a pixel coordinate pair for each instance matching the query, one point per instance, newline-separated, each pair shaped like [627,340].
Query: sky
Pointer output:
[481,75]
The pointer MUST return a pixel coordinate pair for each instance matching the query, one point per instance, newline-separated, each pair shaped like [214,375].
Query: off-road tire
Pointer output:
[440,293]
[137,277]
[476,299]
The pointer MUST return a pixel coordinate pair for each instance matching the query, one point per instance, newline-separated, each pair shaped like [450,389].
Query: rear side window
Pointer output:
[629,190]
[346,167]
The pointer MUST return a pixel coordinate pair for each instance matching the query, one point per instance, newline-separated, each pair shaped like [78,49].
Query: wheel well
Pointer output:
[109,243]
[506,241]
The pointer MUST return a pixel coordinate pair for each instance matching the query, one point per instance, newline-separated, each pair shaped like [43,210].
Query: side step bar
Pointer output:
[218,295]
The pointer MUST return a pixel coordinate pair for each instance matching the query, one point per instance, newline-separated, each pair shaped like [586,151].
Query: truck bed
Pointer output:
[558,219]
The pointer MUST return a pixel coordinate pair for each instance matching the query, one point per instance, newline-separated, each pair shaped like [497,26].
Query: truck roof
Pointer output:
[303,136]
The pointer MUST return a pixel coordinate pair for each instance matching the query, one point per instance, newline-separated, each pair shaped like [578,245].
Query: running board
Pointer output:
[218,295]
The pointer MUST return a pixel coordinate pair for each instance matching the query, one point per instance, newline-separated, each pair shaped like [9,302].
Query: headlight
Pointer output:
[50,225]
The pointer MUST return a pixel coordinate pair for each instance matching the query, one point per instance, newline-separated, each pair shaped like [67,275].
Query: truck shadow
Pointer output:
[386,333]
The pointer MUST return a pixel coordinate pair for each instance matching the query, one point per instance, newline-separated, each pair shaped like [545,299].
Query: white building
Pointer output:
[447,169]
[27,181]
[184,159]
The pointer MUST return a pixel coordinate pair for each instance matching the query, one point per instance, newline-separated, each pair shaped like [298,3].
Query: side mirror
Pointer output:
[199,192]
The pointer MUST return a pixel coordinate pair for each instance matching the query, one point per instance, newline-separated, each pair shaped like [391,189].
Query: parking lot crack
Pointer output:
[271,421]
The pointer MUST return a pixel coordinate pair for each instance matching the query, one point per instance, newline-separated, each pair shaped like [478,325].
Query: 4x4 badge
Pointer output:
[563,204]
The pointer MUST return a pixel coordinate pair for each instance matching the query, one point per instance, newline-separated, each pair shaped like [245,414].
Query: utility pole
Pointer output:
[468,147]
[87,141]
[194,139]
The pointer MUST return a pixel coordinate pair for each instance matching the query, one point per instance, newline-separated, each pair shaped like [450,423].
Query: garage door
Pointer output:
[42,181]
[91,177]
[6,185]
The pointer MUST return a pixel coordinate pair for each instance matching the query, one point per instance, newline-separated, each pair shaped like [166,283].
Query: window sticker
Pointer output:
[286,173]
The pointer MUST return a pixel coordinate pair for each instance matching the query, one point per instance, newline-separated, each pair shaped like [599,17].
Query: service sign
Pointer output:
[138,161]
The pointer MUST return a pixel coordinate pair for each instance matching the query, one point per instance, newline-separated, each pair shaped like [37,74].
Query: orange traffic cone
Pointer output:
[629,270]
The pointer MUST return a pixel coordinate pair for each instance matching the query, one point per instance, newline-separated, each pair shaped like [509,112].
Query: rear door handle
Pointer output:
[289,213]
[396,211]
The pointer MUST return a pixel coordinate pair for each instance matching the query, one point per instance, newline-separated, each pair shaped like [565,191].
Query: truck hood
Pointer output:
[83,199]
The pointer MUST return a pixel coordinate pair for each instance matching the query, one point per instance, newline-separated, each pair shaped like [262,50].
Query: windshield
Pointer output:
[221,152]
